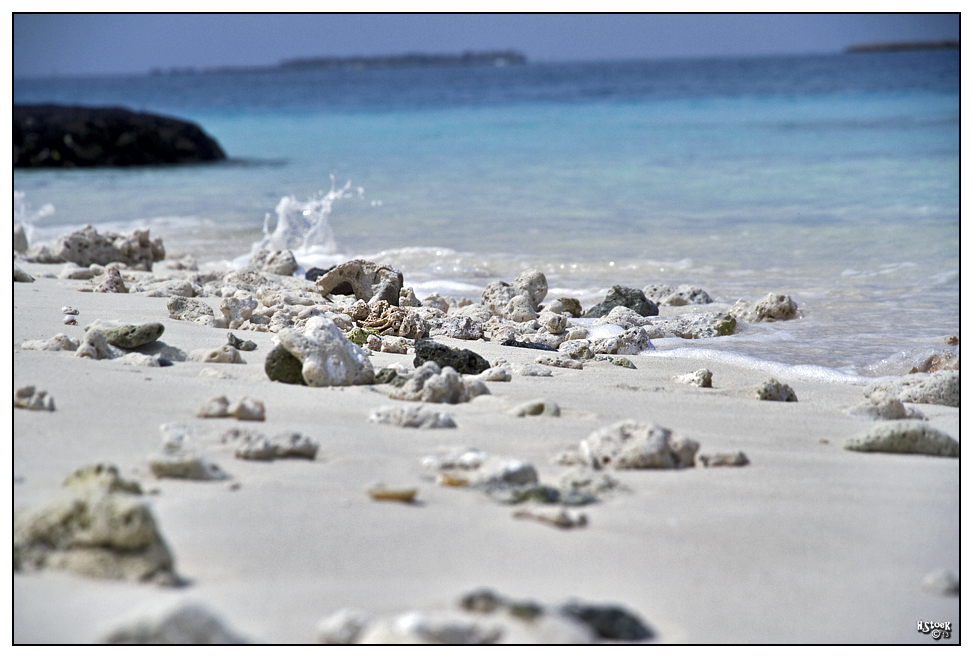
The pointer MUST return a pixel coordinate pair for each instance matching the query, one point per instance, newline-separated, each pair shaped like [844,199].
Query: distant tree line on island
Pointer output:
[909,45]
[408,60]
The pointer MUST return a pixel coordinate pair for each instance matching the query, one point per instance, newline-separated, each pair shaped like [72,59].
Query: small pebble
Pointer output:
[69,310]
[724,459]
[560,518]
[943,582]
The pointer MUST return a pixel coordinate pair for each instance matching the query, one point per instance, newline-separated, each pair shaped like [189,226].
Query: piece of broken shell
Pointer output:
[381,492]
[447,480]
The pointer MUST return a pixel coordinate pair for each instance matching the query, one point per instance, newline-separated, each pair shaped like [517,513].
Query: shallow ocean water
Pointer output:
[834,179]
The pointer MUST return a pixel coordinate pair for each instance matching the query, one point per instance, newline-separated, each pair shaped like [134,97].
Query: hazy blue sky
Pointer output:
[49,44]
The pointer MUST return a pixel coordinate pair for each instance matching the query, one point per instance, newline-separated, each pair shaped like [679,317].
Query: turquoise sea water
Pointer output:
[834,179]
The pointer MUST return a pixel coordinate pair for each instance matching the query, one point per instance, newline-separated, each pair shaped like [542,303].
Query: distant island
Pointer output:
[896,47]
[359,63]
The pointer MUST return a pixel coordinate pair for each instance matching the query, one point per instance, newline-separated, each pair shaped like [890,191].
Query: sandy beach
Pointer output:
[808,543]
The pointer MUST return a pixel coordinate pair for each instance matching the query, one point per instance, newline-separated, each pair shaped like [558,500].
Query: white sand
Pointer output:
[810,543]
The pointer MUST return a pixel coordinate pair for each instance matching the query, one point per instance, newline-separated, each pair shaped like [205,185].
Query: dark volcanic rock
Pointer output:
[316,273]
[465,362]
[510,342]
[282,366]
[627,297]
[609,622]
[70,136]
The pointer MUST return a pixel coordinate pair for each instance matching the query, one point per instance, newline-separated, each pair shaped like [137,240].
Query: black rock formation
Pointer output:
[627,297]
[465,362]
[70,136]
[609,622]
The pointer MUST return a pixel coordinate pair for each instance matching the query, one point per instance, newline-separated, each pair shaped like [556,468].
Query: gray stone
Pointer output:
[95,530]
[407,297]
[461,327]
[28,397]
[533,285]
[277,262]
[559,361]
[632,341]
[942,582]
[236,311]
[560,518]
[171,288]
[629,444]
[112,282]
[86,246]
[183,464]
[130,336]
[222,354]
[437,302]
[242,345]
[533,370]
[882,405]
[416,416]
[685,295]
[623,316]
[420,628]
[539,407]
[553,323]
[101,477]
[182,623]
[20,239]
[922,388]
[495,374]
[519,309]
[775,391]
[588,480]
[772,308]
[905,436]
[568,305]
[496,296]
[724,459]
[143,360]
[691,325]
[622,296]
[363,279]
[254,446]
[71,271]
[54,344]
[701,378]
[579,349]
[327,357]
[430,383]
[22,277]
[189,309]
[94,346]
[656,292]
[342,627]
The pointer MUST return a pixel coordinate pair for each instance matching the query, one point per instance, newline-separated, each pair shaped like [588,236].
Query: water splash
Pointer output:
[302,226]
[26,216]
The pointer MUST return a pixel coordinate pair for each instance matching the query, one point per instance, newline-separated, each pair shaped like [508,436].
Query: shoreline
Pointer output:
[808,543]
